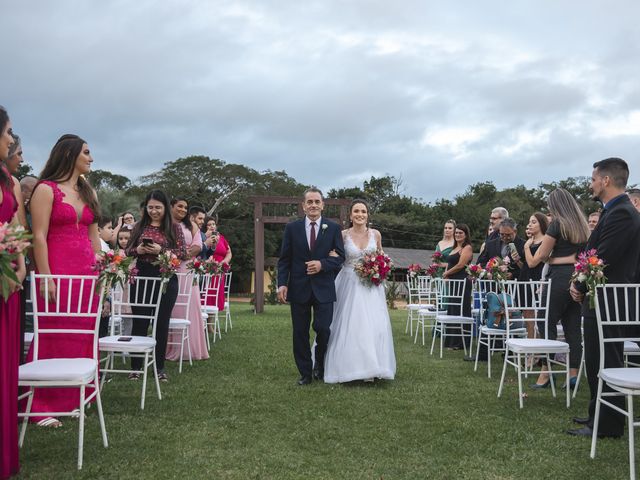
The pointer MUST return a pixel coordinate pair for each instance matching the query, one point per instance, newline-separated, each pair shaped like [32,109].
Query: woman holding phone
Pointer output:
[216,245]
[154,233]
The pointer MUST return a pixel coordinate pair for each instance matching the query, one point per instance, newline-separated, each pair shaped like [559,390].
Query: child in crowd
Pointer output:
[123,237]
[105,232]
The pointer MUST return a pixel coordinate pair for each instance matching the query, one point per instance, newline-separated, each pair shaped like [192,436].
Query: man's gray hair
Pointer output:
[313,189]
[509,222]
[501,211]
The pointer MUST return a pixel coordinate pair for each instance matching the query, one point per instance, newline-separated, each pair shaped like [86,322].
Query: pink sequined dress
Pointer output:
[9,360]
[70,253]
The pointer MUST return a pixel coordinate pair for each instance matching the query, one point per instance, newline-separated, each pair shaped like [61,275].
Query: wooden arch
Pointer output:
[272,209]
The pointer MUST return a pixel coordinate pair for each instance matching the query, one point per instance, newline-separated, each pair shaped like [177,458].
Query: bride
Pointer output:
[361,343]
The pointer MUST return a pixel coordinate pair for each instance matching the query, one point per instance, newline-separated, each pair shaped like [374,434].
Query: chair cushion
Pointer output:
[178,323]
[79,370]
[536,345]
[210,309]
[136,344]
[501,331]
[629,347]
[454,319]
[621,377]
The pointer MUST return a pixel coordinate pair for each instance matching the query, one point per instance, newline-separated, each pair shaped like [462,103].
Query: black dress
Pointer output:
[456,342]
[534,273]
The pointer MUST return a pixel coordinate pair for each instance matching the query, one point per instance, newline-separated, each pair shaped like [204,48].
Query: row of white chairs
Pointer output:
[83,300]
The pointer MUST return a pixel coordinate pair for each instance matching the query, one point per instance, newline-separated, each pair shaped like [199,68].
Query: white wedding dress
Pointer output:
[361,343]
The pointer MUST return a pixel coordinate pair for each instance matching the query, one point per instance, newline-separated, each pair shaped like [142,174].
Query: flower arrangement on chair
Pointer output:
[196,267]
[475,271]
[114,268]
[414,270]
[14,240]
[589,269]
[168,263]
[213,267]
[497,269]
[373,268]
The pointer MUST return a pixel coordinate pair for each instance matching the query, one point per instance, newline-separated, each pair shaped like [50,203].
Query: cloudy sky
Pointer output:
[441,94]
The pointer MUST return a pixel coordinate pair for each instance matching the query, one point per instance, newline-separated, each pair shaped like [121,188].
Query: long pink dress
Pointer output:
[70,253]
[9,360]
[197,340]
[222,248]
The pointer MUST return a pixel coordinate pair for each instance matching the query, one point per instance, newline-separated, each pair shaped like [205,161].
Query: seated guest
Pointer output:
[594,218]
[508,244]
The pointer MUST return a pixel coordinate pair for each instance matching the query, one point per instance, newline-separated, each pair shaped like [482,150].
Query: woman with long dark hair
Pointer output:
[193,242]
[566,235]
[64,209]
[154,233]
[9,321]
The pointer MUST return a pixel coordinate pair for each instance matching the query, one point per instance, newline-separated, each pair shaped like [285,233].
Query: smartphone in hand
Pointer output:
[147,242]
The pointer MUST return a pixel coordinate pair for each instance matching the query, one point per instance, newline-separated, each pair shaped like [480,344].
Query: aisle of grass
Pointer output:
[240,415]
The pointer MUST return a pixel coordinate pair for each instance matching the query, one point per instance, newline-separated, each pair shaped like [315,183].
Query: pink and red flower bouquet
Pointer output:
[589,269]
[373,268]
[14,240]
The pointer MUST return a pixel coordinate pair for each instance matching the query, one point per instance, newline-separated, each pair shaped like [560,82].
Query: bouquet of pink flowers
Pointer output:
[589,269]
[168,263]
[196,267]
[475,271]
[414,270]
[497,269]
[437,257]
[373,268]
[434,270]
[14,240]
[114,268]
[213,267]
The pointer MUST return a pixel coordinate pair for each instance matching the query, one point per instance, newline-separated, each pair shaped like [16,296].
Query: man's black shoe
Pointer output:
[588,432]
[304,380]
[581,420]
[318,375]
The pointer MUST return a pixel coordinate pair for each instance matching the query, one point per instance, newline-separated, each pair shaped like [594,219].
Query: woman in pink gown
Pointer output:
[9,325]
[193,241]
[218,247]
[65,238]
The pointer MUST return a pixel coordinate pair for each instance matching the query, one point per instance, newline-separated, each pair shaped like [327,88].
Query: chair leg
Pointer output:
[632,459]
[475,368]
[433,336]
[103,427]
[206,333]
[504,371]
[81,427]
[229,317]
[25,421]
[520,392]
[181,350]
[596,420]
[575,389]
[443,333]
[415,339]
[551,379]
[568,384]
[155,374]
[144,379]
[489,355]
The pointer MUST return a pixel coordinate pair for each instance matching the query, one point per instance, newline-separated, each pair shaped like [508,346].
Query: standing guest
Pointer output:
[159,233]
[128,219]
[63,210]
[447,243]
[197,216]
[507,245]
[594,217]
[460,256]
[565,238]
[536,230]
[9,321]
[616,238]
[106,233]
[498,214]
[634,196]
[218,247]
[193,242]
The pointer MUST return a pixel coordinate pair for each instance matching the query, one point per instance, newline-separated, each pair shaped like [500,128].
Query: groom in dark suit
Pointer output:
[306,275]
[616,239]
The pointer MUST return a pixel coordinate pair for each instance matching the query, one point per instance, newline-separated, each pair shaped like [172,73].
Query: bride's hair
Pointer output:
[363,202]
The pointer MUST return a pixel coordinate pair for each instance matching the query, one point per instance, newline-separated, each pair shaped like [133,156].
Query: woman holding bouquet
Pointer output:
[460,256]
[193,241]
[154,233]
[447,244]
[9,322]
[64,210]
[566,235]
[361,343]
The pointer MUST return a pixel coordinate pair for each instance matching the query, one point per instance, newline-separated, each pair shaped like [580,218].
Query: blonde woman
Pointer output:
[447,244]
[566,235]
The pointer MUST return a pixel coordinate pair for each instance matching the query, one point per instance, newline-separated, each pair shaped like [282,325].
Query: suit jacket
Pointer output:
[292,270]
[616,239]
[493,248]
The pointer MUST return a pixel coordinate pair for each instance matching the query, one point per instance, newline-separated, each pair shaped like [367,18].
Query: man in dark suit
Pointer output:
[616,239]
[306,274]
[503,246]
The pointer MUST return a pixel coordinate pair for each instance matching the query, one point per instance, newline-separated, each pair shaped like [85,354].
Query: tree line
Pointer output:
[405,222]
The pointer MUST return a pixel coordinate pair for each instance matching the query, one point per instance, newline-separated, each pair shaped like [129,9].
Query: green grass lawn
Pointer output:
[240,415]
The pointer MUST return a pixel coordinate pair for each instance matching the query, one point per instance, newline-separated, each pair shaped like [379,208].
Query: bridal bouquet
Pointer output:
[168,263]
[373,268]
[414,270]
[497,269]
[475,271]
[114,268]
[14,240]
[589,269]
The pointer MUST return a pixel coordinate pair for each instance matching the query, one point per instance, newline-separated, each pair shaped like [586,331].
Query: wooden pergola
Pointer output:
[283,210]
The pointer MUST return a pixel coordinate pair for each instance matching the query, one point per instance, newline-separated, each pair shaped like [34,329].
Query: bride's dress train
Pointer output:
[361,342]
